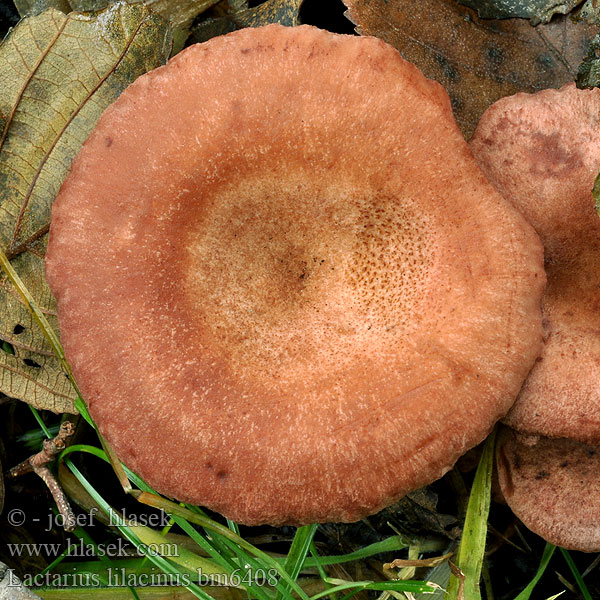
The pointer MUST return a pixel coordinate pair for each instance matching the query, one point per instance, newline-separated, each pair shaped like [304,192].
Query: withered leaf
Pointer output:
[477,61]
[57,74]
[538,11]
[284,12]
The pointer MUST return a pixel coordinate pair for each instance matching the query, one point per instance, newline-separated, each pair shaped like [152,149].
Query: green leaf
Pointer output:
[147,541]
[538,11]
[546,556]
[585,593]
[57,74]
[472,544]
[299,550]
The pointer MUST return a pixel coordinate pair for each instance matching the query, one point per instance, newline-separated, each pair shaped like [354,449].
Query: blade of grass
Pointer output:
[322,574]
[544,561]
[228,565]
[472,544]
[104,558]
[229,557]
[298,551]
[415,587]
[83,411]
[440,574]
[38,316]
[233,526]
[176,510]
[116,465]
[41,423]
[576,574]
[390,544]
[221,550]
[165,565]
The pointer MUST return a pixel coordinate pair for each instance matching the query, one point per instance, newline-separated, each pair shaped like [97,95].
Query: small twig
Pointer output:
[38,463]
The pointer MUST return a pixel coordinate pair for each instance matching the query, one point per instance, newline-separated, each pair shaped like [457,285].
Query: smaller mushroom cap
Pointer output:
[542,152]
[553,486]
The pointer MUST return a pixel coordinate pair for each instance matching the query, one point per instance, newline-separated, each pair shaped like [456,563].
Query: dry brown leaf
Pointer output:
[57,74]
[477,61]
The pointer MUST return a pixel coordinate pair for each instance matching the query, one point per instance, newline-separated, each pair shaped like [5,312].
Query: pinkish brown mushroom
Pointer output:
[553,486]
[285,288]
[542,151]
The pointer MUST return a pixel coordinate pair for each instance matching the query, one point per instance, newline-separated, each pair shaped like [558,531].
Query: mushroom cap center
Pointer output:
[296,275]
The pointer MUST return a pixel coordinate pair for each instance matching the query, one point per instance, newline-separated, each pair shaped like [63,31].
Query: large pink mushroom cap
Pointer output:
[285,288]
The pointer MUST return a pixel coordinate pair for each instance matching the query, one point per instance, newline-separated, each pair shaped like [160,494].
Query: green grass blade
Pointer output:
[38,316]
[576,574]
[128,532]
[176,510]
[233,526]
[315,556]
[224,553]
[41,423]
[414,587]
[83,411]
[390,544]
[299,550]
[545,560]
[472,544]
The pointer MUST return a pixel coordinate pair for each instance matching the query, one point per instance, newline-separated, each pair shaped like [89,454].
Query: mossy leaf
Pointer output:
[181,13]
[537,11]
[596,194]
[590,12]
[588,75]
[57,74]
[284,12]
[27,8]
